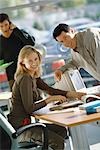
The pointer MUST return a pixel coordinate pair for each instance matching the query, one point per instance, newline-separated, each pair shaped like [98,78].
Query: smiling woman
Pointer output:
[27,97]
[29,61]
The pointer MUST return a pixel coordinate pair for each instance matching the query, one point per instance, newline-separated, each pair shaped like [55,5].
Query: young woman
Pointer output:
[26,96]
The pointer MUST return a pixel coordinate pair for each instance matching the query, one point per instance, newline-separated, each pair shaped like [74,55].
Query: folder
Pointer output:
[90,105]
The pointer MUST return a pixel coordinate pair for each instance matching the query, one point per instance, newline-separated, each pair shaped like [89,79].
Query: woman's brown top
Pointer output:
[24,95]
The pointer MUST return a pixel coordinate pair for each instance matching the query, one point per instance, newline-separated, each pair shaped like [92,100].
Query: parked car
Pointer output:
[40,35]
[73,22]
[82,27]
[78,21]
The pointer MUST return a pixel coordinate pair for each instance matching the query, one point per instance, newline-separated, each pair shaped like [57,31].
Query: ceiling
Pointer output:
[28,3]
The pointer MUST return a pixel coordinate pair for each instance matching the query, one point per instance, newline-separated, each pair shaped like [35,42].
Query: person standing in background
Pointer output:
[12,39]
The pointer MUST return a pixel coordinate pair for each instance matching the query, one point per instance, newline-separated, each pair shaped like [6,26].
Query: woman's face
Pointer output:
[32,62]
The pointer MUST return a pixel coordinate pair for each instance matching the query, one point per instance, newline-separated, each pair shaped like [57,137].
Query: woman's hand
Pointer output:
[73,94]
[59,98]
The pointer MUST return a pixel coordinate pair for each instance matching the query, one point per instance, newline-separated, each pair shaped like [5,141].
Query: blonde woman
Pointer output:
[26,96]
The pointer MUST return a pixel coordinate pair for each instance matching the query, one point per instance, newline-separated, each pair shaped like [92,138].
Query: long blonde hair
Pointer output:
[24,53]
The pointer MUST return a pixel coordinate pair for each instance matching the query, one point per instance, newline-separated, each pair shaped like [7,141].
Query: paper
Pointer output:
[66,105]
[4,66]
[68,110]
[89,98]
[5,95]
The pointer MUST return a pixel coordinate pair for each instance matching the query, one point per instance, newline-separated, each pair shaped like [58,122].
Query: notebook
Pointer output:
[90,105]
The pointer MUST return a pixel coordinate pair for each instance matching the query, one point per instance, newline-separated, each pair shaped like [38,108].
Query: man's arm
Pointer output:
[97,55]
[93,47]
[71,65]
[98,58]
[76,62]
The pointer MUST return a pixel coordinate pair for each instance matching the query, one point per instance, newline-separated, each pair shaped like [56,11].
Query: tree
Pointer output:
[71,3]
[93,1]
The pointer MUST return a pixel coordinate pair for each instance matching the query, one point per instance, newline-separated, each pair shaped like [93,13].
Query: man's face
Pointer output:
[67,39]
[4,26]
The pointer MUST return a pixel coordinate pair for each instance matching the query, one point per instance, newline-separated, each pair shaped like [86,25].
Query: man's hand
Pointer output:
[12,26]
[58,74]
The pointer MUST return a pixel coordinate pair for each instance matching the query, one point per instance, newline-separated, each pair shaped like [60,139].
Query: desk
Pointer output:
[4,99]
[75,121]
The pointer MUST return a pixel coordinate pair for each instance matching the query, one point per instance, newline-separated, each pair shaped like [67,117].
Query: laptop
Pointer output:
[79,85]
[77,80]
[72,80]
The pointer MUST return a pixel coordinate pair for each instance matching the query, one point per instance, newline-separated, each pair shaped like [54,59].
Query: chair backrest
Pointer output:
[5,124]
[6,131]
[9,142]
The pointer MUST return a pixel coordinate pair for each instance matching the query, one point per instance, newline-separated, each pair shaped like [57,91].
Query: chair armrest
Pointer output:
[27,127]
[32,125]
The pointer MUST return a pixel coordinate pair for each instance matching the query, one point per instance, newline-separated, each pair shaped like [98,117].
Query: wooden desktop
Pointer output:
[76,121]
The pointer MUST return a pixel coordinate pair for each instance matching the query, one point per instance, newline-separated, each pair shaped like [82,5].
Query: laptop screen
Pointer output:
[72,80]
[77,80]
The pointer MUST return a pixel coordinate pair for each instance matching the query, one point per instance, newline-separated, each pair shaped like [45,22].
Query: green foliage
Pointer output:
[98,16]
[93,1]
[8,3]
[71,3]
[37,26]
[4,3]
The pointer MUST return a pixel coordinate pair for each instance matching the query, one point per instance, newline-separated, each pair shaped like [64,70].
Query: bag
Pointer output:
[28,37]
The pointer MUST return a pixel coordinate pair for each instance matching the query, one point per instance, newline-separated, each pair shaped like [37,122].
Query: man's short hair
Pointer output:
[3,17]
[59,28]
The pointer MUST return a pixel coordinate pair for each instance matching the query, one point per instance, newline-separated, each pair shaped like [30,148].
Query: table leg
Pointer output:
[79,138]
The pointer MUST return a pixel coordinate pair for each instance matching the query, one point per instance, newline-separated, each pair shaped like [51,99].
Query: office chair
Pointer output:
[9,136]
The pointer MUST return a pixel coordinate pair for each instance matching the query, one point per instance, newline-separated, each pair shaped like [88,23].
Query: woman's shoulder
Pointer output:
[24,76]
